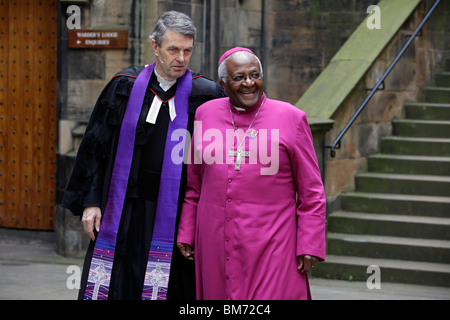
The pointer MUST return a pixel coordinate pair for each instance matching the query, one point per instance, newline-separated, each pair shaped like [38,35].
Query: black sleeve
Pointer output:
[204,90]
[86,183]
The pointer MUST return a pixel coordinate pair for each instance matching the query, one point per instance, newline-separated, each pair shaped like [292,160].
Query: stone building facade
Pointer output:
[46,102]
[295,40]
[417,67]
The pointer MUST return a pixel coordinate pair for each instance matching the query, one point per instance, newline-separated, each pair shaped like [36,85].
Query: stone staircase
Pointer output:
[398,217]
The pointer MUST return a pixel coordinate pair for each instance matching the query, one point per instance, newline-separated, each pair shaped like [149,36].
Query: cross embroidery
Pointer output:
[100,277]
[157,279]
[239,153]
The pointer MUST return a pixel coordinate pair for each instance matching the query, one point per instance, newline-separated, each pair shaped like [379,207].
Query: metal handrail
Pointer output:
[337,142]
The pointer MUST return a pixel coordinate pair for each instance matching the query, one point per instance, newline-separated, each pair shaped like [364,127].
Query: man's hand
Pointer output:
[306,262]
[91,218]
[186,250]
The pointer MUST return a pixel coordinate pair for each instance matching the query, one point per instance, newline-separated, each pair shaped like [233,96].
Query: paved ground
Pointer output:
[30,269]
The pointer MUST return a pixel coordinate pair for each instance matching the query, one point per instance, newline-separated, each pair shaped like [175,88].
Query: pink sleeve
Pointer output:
[311,203]
[188,218]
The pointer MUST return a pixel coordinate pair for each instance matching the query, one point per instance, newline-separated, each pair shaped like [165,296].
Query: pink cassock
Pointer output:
[246,226]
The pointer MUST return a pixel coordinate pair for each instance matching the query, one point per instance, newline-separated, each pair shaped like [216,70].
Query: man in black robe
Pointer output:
[87,190]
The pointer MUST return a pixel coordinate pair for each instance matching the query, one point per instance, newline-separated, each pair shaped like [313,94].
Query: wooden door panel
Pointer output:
[28,39]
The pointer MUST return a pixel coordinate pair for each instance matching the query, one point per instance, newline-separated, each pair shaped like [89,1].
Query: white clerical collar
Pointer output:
[163,83]
[157,102]
[156,105]
[238,109]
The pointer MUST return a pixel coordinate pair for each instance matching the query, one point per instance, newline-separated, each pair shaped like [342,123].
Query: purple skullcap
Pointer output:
[231,51]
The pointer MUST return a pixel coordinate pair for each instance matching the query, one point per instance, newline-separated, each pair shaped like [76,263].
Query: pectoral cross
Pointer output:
[239,153]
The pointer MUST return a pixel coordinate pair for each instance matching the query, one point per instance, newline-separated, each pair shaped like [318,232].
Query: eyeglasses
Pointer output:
[241,78]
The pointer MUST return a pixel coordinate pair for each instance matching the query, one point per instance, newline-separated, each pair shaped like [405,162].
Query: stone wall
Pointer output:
[414,69]
[295,40]
[302,37]
[83,73]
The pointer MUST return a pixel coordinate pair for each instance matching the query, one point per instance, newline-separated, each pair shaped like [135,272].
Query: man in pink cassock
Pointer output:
[254,210]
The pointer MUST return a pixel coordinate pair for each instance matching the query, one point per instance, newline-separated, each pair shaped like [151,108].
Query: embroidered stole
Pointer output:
[160,254]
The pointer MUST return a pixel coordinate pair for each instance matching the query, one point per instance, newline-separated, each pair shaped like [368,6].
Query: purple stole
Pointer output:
[160,254]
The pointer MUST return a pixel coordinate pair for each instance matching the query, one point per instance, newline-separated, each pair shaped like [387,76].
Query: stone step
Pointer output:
[403,184]
[389,225]
[391,271]
[404,164]
[426,111]
[436,94]
[401,204]
[388,247]
[415,146]
[421,128]
[442,79]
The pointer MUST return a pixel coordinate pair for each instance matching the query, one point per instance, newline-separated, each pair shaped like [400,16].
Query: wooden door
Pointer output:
[28,40]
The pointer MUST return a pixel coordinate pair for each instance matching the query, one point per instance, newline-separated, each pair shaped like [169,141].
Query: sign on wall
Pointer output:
[97,39]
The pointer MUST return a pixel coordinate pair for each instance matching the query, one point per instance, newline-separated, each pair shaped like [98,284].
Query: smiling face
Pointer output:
[173,55]
[244,83]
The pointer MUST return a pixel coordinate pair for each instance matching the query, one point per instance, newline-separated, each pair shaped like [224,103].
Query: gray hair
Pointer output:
[222,70]
[175,21]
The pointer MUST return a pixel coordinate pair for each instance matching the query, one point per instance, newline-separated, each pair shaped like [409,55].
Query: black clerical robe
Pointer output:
[90,179]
